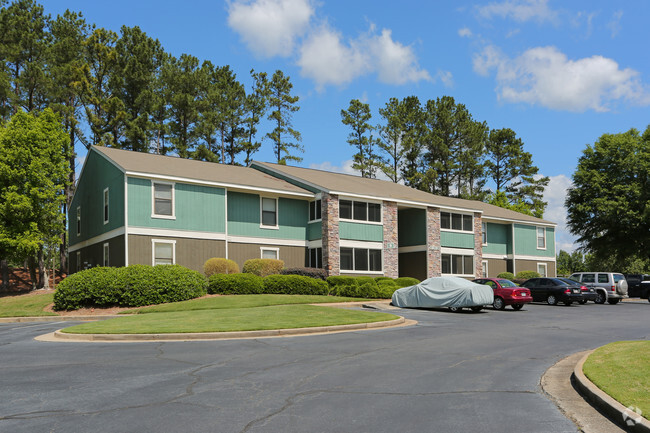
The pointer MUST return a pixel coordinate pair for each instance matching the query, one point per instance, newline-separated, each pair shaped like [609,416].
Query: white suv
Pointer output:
[609,286]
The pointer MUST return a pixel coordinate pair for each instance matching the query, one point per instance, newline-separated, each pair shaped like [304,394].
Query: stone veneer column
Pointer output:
[330,225]
[390,254]
[434,264]
[478,245]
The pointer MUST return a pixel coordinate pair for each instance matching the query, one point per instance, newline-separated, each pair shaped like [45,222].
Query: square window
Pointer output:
[163,253]
[360,211]
[346,259]
[163,199]
[456,221]
[269,212]
[541,269]
[468,223]
[268,253]
[374,212]
[345,209]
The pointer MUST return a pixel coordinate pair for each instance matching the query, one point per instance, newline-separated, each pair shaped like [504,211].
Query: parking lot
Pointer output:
[452,372]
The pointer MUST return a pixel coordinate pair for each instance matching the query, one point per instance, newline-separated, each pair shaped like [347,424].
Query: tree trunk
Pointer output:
[5,275]
[31,264]
[42,275]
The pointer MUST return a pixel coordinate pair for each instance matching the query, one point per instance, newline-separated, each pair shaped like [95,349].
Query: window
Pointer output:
[315,258]
[603,278]
[269,212]
[106,206]
[270,253]
[541,238]
[484,230]
[589,278]
[541,269]
[315,210]
[106,251]
[456,221]
[78,221]
[484,269]
[456,264]
[359,211]
[164,252]
[360,259]
[78,260]
[163,200]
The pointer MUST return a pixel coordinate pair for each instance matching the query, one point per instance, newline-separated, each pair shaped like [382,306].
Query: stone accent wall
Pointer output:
[478,245]
[330,224]
[390,254]
[434,265]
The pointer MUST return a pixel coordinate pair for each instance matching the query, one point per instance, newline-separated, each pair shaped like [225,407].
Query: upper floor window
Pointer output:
[484,230]
[456,221]
[163,199]
[541,238]
[106,206]
[269,212]
[78,221]
[359,211]
[315,210]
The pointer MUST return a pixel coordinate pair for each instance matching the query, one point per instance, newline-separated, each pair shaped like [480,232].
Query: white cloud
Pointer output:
[345,167]
[395,63]
[519,10]
[555,195]
[545,76]
[446,77]
[615,24]
[270,27]
[465,32]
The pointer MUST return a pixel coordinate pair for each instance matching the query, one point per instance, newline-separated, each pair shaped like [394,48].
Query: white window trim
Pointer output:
[277,213]
[485,269]
[276,250]
[537,238]
[106,211]
[106,254]
[456,230]
[153,200]
[484,234]
[545,266]
[367,248]
[78,220]
[162,241]
[352,220]
[457,254]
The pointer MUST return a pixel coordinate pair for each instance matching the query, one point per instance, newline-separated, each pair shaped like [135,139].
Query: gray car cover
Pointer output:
[443,292]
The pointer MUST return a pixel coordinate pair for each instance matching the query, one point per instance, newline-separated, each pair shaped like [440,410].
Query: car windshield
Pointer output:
[506,284]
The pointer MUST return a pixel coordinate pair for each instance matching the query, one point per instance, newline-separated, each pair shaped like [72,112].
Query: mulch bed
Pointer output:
[20,281]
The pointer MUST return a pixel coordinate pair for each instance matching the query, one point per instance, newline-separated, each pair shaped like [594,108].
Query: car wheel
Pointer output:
[600,298]
[551,300]
[517,307]
[455,309]
[498,303]
[477,309]
[568,303]
[582,301]
[613,301]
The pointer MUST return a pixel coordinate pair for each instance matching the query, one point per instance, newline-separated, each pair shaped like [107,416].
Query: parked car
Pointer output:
[451,292]
[506,293]
[588,293]
[553,290]
[636,288]
[609,286]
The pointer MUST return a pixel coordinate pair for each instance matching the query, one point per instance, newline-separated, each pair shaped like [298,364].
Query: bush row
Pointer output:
[132,286]
[521,275]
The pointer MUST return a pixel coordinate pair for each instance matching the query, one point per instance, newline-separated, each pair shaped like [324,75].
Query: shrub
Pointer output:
[217,265]
[341,280]
[263,267]
[346,290]
[406,282]
[96,287]
[378,279]
[363,280]
[506,275]
[305,272]
[294,285]
[525,275]
[235,284]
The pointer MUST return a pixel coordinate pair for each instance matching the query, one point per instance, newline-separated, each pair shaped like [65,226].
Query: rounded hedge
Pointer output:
[263,267]
[131,286]
[305,272]
[294,285]
[235,284]
[218,265]
[506,275]
[406,281]
[526,275]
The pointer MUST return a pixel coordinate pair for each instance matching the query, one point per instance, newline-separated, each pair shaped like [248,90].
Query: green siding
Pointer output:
[456,240]
[498,239]
[361,232]
[196,207]
[526,241]
[411,227]
[98,173]
[315,231]
[244,217]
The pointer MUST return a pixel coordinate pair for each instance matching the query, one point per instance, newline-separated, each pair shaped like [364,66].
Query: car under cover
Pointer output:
[443,292]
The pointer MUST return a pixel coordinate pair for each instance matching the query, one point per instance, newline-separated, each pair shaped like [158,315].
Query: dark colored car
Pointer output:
[588,293]
[553,290]
[506,293]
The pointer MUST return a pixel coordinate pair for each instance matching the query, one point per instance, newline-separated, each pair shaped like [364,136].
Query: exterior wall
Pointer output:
[314,230]
[478,245]
[191,253]
[526,241]
[330,236]
[433,243]
[457,240]
[496,266]
[361,232]
[293,257]
[531,265]
[498,239]
[412,227]
[390,254]
[413,265]
[93,255]
[98,174]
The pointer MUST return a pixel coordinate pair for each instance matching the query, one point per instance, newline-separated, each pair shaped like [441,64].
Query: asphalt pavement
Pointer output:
[452,372]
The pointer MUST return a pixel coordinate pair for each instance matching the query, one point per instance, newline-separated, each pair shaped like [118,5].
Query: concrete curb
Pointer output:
[58,318]
[128,338]
[627,418]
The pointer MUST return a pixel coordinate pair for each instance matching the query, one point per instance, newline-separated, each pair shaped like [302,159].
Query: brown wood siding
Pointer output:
[496,266]
[93,255]
[191,253]
[293,257]
[413,265]
[531,265]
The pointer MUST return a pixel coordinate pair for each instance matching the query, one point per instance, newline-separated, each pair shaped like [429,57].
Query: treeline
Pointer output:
[438,147]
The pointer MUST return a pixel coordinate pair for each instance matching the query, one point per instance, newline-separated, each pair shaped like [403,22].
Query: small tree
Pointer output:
[357,117]
[282,105]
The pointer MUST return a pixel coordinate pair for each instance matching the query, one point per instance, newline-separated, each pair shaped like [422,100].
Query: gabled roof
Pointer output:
[175,168]
[356,186]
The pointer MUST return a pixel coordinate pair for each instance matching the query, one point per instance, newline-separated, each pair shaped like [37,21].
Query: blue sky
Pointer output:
[560,74]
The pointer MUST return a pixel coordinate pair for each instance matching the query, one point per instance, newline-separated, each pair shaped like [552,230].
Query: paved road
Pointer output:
[450,373]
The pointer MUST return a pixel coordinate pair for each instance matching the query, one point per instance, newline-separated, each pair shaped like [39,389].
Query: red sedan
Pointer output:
[506,293]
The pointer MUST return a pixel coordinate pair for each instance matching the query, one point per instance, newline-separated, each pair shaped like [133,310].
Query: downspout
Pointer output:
[226,221]
[126,221]
[514,258]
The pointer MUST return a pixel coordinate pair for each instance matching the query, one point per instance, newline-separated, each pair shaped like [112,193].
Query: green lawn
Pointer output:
[230,319]
[621,370]
[238,301]
[25,305]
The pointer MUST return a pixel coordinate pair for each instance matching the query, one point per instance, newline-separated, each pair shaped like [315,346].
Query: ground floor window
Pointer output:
[315,258]
[106,251]
[484,269]
[456,264]
[360,259]
[270,253]
[78,260]
[164,252]
[541,269]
